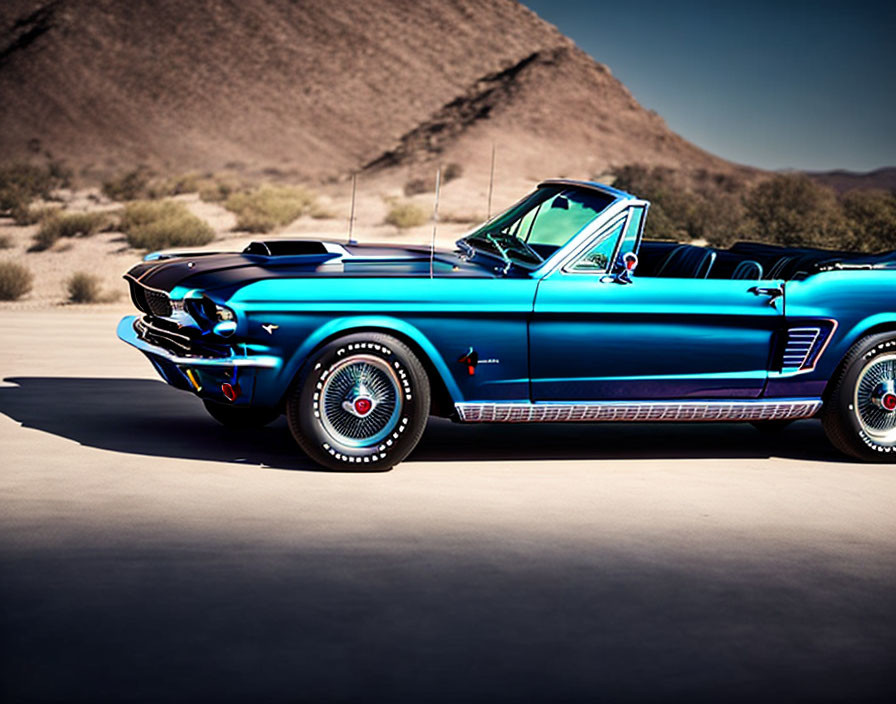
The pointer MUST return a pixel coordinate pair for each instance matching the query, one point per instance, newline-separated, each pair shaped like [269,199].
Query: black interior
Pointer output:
[744,260]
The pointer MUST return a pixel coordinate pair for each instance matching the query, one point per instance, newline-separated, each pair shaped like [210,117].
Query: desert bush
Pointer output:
[130,185]
[173,186]
[416,186]
[674,208]
[22,183]
[403,215]
[688,205]
[60,225]
[83,288]
[794,210]
[452,171]
[5,242]
[321,212]
[159,224]
[461,218]
[15,281]
[31,215]
[269,207]
[872,220]
[212,190]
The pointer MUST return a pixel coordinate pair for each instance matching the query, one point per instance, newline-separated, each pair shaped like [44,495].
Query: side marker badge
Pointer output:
[269,328]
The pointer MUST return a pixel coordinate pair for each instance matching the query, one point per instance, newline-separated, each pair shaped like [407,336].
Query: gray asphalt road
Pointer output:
[146,554]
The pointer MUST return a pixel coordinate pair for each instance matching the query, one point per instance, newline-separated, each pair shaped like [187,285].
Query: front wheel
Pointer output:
[361,403]
[859,416]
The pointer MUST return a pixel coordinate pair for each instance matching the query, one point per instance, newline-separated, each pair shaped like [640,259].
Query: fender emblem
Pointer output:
[470,359]
[269,328]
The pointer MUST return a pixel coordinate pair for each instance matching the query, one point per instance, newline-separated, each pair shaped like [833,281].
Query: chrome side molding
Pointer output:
[633,411]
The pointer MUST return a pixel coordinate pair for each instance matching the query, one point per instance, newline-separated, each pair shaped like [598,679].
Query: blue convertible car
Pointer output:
[537,316]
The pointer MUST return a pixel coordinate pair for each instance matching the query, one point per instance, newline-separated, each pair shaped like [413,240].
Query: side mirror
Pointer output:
[626,266]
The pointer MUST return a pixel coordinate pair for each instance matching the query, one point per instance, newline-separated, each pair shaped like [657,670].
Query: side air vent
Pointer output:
[798,348]
[802,345]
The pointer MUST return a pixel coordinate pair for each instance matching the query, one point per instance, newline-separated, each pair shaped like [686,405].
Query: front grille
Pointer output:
[183,342]
[149,300]
[158,302]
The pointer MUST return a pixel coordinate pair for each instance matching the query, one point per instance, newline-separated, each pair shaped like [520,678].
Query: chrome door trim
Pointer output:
[631,411]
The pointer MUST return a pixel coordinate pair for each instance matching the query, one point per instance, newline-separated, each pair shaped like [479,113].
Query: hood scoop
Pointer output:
[286,248]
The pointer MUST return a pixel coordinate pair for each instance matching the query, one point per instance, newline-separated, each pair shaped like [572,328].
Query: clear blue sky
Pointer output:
[805,85]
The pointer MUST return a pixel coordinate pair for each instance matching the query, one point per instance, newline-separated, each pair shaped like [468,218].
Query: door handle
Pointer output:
[773,292]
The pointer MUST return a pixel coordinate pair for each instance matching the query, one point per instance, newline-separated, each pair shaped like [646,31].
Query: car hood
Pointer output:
[276,259]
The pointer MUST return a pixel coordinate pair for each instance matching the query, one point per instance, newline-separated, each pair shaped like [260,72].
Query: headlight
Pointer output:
[223,313]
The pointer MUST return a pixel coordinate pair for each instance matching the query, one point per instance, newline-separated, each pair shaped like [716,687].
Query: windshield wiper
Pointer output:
[508,262]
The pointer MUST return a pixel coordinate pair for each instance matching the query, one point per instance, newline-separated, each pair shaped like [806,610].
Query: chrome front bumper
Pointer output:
[128,333]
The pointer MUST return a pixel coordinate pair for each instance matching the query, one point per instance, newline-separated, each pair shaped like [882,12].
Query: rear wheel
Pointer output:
[241,416]
[361,404]
[859,417]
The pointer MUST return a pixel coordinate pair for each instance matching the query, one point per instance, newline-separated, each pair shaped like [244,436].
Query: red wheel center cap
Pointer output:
[363,406]
[889,402]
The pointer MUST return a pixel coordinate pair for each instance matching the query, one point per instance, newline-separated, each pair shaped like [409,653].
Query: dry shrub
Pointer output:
[32,215]
[83,288]
[795,211]
[404,215]
[174,186]
[217,190]
[452,171]
[60,225]
[155,225]
[320,212]
[22,183]
[127,186]
[15,281]
[269,207]
[462,218]
[416,186]
[5,242]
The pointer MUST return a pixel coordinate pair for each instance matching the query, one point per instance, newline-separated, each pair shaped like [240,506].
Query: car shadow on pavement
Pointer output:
[147,417]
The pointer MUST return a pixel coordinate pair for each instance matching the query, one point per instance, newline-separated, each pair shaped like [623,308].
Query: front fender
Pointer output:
[348,324]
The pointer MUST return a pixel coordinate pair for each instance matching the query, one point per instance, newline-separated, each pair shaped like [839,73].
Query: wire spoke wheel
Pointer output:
[360,401]
[875,400]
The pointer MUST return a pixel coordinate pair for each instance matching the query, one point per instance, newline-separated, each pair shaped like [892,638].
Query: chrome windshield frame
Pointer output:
[583,236]
[588,236]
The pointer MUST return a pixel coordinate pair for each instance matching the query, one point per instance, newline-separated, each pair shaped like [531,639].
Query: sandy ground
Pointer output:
[146,554]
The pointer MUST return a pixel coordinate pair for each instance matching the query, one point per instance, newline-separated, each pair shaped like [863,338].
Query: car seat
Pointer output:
[687,261]
[747,269]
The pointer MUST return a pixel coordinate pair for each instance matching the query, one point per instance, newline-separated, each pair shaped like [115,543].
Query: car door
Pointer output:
[592,338]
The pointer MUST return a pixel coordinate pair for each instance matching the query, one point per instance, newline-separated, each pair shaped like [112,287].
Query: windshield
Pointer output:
[536,227]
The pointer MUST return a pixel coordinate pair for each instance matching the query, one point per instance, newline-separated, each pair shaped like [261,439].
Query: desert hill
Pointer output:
[841,180]
[315,89]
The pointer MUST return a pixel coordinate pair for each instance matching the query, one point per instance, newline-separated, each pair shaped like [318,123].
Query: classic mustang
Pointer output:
[537,316]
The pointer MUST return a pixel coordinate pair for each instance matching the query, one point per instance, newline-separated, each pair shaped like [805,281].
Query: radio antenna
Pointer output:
[491,183]
[351,217]
[435,222]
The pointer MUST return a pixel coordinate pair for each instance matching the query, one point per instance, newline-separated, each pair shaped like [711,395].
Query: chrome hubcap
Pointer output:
[875,399]
[360,401]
